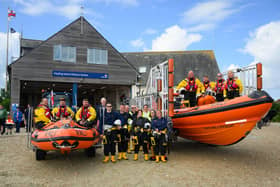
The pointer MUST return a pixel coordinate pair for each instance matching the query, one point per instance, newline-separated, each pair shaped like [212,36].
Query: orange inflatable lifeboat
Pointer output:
[64,136]
[222,123]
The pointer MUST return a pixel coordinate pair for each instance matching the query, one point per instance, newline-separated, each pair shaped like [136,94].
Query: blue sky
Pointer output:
[239,31]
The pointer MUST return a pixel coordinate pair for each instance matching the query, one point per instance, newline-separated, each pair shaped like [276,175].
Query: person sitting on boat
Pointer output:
[159,128]
[208,86]
[146,112]
[207,92]
[86,115]
[192,86]
[125,136]
[233,86]
[137,128]
[220,88]
[42,114]
[62,111]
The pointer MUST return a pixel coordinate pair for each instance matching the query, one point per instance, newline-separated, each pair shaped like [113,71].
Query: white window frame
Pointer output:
[103,60]
[59,57]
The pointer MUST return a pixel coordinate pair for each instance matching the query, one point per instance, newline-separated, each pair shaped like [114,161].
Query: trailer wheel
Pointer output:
[40,155]
[90,152]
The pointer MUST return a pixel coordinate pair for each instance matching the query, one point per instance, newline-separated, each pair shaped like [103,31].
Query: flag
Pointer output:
[52,98]
[11,14]
[12,30]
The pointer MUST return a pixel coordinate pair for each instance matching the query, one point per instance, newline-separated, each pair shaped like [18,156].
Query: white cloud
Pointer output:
[70,9]
[264,45]
[206,15]
[174,38]
[123,2]
[13,52]
[201,27]
[138,43]
[233,67]
[150,31]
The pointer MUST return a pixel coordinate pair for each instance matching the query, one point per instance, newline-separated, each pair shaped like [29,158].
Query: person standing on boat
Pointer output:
[86,115]
[125,136]
[62,111]
[192,86]
[159,128]
[220,88]
[110,133]
[233,86]
[42,114]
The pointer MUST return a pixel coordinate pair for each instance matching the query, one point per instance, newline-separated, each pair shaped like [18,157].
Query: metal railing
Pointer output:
[248,77]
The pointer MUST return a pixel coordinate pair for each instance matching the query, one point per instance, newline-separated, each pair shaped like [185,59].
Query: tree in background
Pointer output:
[5,98]
[276,107]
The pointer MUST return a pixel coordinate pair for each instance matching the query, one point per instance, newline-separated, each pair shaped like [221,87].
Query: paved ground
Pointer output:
[253,162]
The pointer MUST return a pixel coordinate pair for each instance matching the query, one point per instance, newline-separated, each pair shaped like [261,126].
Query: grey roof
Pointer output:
[30,43]
[202,62]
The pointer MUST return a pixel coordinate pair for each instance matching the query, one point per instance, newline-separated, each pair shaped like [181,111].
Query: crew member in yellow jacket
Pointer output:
[86,115]
[233,86]
[43,114]
[192,86]
[62,111]
[208,86]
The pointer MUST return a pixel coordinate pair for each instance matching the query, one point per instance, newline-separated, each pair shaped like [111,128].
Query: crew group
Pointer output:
[128,130]
[222,89]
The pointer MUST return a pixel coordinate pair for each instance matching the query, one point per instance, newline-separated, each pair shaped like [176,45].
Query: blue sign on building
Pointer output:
[80,75]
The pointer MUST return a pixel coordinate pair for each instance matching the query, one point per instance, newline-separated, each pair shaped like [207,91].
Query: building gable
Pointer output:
[40,59]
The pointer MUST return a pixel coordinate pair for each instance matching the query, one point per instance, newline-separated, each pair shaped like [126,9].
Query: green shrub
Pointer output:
[276,107]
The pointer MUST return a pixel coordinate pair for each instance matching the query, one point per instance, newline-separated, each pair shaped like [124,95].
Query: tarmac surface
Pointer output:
[255,161]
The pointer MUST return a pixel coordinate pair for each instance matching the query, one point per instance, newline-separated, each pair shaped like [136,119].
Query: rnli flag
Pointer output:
[11,14]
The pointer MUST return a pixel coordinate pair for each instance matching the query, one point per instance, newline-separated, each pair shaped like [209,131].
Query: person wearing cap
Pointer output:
[159,128]
[109,133]
[192,87]
[125,136]
[42,114]
[233,86]
[137,129]
[62,111]
[86,115]
[18,118]
[220,88]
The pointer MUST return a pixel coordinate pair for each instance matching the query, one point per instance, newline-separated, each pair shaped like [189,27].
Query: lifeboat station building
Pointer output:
[78,60]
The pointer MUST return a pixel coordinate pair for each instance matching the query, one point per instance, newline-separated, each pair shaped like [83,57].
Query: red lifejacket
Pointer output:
[231,85]
[85,114]
[206,85]
[219,88]
[48,113]
[62,112]
[191,86]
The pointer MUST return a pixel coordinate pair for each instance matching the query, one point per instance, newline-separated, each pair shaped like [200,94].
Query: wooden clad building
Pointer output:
[78,55]
[79,60]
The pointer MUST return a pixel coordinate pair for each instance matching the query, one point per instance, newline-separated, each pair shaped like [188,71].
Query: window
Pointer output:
[64,53]
[97,56]
[142,69]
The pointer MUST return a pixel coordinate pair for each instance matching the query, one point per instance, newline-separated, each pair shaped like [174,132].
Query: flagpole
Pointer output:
[7,54]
